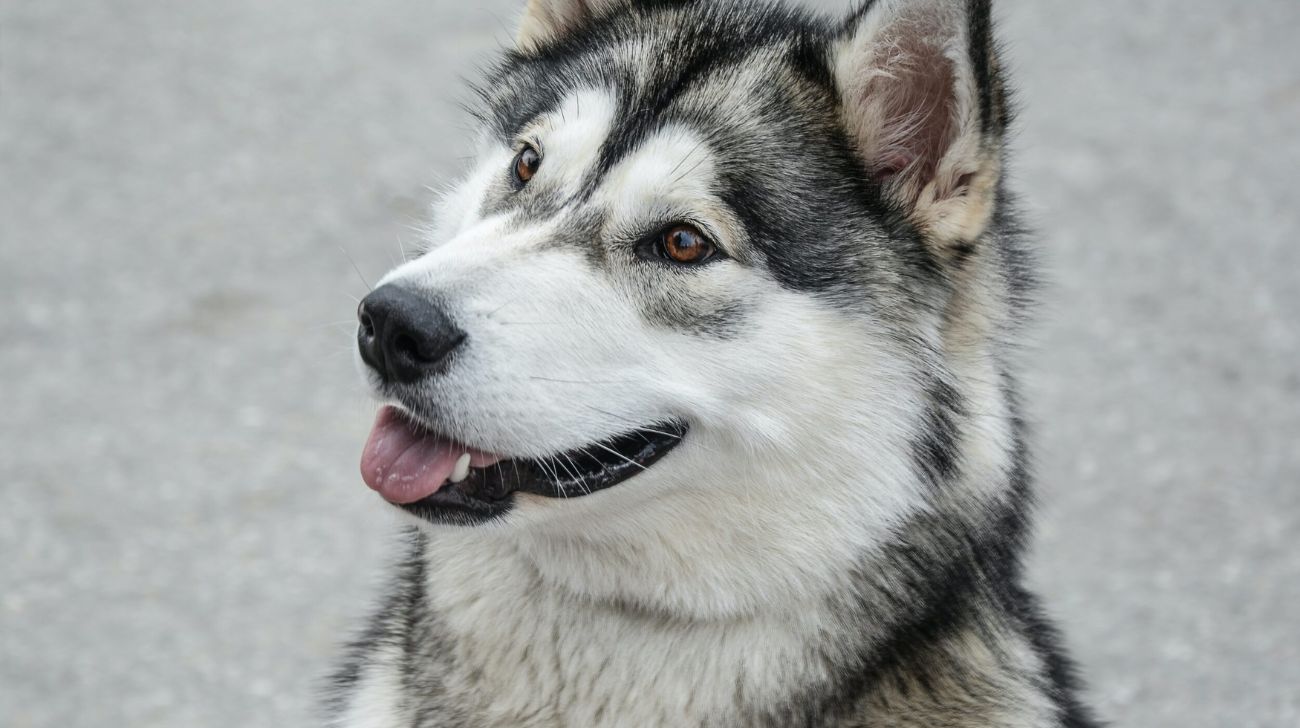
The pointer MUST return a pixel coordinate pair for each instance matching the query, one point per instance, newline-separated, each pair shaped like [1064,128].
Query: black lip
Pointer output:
[489,493]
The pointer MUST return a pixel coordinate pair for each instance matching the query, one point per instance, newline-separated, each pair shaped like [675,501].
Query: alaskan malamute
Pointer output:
[702,398]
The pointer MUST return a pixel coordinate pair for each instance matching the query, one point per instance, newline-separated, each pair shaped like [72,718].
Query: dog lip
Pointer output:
[489,492]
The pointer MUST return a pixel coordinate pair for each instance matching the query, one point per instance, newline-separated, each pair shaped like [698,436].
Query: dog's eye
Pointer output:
[685,245]
[526,164]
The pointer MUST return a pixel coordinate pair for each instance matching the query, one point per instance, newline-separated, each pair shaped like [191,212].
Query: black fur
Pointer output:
[819,223]
[804,119]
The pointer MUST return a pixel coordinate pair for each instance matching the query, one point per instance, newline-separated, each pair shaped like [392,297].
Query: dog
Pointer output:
[702,396]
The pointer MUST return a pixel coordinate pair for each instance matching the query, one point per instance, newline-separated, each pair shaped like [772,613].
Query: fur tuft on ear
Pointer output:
[921,101]
[545,20]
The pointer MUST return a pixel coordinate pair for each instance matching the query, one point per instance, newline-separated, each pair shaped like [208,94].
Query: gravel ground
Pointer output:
[183,536]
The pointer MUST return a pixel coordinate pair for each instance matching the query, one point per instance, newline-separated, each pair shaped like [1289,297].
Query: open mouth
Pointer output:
[435,477]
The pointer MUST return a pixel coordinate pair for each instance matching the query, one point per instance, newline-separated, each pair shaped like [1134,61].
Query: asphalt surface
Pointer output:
[184,537]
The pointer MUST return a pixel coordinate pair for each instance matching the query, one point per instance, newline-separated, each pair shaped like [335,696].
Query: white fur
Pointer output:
[753,579]
[562,355]
[376,699]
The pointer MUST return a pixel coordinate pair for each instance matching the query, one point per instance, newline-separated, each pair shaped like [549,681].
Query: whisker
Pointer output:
[587,452]
[555,476]
[690,171]
[494,311]
[356,268]
[632,422]
[576,478]
[573,474]
[621,455]
[688,155]
[514,462]
[641,429]
[331,324]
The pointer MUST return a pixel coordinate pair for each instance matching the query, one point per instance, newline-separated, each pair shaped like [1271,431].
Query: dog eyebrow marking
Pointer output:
[671,177]
[643,103]
[568,134]
[572,132]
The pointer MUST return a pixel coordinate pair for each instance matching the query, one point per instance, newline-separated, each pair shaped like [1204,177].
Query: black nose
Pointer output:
[404,336]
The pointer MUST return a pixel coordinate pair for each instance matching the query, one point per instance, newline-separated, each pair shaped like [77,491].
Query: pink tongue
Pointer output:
[405,465]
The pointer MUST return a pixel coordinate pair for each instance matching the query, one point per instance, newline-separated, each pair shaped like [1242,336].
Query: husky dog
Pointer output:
[702,397]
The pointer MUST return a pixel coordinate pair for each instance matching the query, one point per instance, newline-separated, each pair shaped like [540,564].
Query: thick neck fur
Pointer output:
[486,641]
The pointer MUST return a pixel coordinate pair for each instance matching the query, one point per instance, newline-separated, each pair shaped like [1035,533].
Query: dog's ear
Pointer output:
[545,20]
[923,103]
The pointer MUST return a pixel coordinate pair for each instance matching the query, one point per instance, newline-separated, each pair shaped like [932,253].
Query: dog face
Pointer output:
[699,270]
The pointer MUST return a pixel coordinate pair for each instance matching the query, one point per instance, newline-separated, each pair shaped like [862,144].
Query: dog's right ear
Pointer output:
[923,103]
[545,20]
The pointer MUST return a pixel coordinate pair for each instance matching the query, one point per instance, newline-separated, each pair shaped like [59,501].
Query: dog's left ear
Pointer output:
[545,20]
[923,103]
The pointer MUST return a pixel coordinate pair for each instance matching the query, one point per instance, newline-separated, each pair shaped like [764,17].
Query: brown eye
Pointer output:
[686,245]
[526,164]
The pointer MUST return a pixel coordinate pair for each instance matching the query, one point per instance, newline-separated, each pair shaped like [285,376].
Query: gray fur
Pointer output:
[926,625]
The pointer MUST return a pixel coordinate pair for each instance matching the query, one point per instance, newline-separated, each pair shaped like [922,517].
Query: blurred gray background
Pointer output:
[183,534]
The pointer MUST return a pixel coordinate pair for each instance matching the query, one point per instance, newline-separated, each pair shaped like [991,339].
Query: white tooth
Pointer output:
[461,471]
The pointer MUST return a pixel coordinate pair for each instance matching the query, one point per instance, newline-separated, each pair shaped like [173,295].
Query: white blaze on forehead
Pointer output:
[571,136]
[671,172]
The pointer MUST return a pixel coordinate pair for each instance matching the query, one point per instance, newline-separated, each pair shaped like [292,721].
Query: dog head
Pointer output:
[700,279]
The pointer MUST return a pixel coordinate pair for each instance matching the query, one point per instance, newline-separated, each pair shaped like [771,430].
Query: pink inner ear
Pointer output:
[906,99]
[917,100]
[891,165]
